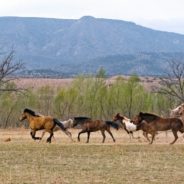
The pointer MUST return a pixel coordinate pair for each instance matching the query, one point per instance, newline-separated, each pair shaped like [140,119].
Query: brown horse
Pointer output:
[89,125]
[40,122]
[151,123]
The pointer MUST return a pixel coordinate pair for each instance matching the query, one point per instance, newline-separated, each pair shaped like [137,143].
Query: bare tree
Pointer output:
[7,70]
[173,83]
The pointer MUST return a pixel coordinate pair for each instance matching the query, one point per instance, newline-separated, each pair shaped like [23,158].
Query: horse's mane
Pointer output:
[31,112]
[81,118]
[149,116]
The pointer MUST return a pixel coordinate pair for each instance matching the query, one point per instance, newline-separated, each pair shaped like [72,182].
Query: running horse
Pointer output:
[88,125]
[40,122]
[151,123]
[125,123]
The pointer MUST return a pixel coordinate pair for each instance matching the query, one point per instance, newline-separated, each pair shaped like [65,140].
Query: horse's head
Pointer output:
[23,116]
[118,117]
[26,113]
[137,119]
[70,123]
[178,111]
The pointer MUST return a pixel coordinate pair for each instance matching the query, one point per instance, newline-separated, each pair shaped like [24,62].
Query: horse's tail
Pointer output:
[61,126]
[112,124]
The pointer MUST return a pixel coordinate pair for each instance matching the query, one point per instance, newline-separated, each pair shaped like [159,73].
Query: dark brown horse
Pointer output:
[88,125]
[151,123]
[40,122]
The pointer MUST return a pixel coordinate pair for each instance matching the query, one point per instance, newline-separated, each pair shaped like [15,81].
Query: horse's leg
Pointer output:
[132,135]
[108,130]
[127,132]
[43,133]
[81,132]
[129,135]
[88,137]
[103,134]
[175,136]
[33,133]
[153,137]
[50,137]
[68,134]
[145,134]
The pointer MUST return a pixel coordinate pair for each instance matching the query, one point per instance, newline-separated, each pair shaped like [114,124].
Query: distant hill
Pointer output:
[68,47]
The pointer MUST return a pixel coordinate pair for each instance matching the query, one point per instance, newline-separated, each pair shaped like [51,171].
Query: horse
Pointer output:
[70,123]
[151,123]
[178,112]
[88,125]
[67,124]
[125,123]
[41,122]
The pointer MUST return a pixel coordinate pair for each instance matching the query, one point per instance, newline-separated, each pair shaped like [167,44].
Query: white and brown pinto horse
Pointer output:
[125,123]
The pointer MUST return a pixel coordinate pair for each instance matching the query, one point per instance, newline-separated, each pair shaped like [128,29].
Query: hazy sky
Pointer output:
[159,14]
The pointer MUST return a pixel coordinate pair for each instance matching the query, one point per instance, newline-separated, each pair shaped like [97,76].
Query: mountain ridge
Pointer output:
[60,44]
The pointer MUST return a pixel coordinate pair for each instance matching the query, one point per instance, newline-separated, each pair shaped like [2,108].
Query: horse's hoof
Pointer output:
[48,141]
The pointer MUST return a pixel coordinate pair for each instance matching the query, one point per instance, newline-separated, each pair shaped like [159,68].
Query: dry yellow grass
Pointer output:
[23,160]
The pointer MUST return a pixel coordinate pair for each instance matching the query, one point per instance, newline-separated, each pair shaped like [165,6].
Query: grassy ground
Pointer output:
[25,161]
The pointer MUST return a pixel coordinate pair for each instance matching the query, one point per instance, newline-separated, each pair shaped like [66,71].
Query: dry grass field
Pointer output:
[24,161]
[148,82]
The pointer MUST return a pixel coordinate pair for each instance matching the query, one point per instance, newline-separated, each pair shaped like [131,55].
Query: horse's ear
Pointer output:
[117,115]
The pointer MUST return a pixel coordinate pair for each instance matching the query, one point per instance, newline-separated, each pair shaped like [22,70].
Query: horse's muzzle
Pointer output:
[22,118]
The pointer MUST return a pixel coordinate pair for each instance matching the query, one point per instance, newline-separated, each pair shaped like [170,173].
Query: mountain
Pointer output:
[69,47]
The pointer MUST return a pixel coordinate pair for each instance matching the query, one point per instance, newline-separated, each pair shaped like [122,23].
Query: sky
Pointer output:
[166,15]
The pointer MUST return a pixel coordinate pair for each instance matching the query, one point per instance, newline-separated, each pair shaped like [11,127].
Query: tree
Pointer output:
[7,70]
[173,83]
[132,85]
[101,73]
